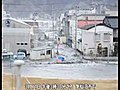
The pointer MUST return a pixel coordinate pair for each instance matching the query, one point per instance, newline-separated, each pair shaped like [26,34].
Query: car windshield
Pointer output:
[20,54]
[7,57]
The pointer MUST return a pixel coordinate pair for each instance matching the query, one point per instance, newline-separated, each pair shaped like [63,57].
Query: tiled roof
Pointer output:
[87,27]
[111,21]
[82,24]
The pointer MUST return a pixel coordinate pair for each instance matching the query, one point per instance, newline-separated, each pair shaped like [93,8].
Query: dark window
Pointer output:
[58,39]
[21,43]
[48,52]
[7,22]
[18,43]
[115,39]
[25,43]
[106,36]
[42,54]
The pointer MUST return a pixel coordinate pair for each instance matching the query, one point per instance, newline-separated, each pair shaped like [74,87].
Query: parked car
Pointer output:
[7,56]
[21,55]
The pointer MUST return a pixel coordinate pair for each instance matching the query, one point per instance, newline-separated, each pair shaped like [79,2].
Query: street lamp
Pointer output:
[18,63]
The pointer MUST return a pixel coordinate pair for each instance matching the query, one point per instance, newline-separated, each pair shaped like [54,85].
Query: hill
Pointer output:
[23,8]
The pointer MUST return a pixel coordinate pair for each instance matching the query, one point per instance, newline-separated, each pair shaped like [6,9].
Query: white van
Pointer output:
[21,55]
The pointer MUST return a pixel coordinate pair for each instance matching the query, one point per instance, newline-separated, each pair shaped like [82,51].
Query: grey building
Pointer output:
[112,21]
[15,35]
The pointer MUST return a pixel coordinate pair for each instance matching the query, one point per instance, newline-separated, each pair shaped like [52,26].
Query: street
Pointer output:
[86,70]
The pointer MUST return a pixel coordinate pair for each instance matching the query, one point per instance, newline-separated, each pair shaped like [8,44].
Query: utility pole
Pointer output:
[75,31]
[58,39]
[81,43]
[66,28]
[53,24]
[108,53]
[35,30]
[95,31]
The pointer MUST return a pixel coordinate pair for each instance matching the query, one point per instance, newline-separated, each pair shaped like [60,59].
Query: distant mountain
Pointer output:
[24,8]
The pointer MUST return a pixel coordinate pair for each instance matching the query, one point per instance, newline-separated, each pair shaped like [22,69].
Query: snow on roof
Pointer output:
[7,53]
[17,21]
[87,27]
[30,20]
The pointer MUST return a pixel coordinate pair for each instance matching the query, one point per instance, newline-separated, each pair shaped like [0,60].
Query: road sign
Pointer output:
[7,22]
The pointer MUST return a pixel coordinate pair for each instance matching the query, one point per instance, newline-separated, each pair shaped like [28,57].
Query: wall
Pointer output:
[12,36]
[36,54]
[88,39]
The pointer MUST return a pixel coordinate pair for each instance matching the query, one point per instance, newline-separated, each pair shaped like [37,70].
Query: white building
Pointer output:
[42,30]
[15,35]
[42,24]
[41,53]
[89,40]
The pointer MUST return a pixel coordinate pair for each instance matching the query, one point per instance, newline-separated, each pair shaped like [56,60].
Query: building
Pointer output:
[92,36]
[74,23]
[41,53]
[42,31]
[42,24]
[112,21]
[15,35]
[87,19]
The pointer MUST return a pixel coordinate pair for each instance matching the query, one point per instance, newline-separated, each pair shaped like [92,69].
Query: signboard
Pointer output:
[7,22]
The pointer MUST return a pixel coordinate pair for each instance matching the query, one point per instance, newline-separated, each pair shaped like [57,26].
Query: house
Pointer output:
[41,53]
[112,22]
[73,23]
[15,35]
[86,19]
[92,36]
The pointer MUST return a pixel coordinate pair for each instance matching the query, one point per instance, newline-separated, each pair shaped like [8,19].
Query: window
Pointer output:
[7,22]
[115,39]
[106,37]
[48,52]
[18,43]
[21,43]
[7,57]
[97,37]
[25,43]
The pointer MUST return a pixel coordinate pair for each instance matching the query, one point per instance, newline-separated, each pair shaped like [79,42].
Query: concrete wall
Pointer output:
[36,54]
[12,36]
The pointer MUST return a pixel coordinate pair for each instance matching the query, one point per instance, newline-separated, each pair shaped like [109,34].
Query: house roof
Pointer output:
[19,21]
[87,27]
[93,14]
[88,22]
[111,21]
